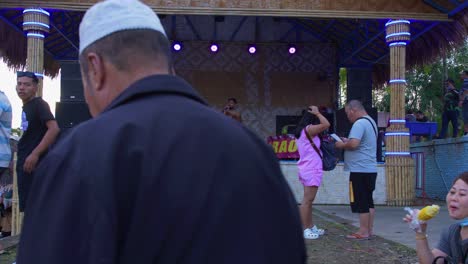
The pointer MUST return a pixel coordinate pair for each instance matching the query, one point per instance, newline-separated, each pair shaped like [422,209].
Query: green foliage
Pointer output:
[426,85]
[17,132]
[343,86]
[381,99]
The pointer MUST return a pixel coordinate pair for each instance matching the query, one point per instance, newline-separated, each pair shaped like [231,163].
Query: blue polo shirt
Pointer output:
[5,130]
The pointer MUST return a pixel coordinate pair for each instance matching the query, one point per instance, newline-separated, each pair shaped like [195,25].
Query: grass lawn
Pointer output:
[8,257]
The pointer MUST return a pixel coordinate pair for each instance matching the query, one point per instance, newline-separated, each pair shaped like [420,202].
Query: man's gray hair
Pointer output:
[355,105]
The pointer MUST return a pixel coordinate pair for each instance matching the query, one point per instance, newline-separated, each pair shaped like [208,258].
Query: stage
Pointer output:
[335,184]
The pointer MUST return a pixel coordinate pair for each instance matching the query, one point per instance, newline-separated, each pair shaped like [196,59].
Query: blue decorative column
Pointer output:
[399,169]
[36,25]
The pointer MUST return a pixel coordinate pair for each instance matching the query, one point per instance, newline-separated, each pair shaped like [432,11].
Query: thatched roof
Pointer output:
[360,42]
[13,46]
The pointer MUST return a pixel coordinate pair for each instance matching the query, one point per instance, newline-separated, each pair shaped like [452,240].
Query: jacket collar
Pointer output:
[156,84]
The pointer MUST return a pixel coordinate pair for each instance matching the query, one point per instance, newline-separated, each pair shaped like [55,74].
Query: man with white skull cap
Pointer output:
[138,183]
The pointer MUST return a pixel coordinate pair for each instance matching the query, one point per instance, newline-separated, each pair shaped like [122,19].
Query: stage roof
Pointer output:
[357,28]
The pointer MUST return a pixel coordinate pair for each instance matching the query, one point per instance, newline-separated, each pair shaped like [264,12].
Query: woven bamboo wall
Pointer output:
[272,82]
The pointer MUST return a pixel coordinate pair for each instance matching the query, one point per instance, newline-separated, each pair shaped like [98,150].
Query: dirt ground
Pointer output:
[8,256]
[333,247]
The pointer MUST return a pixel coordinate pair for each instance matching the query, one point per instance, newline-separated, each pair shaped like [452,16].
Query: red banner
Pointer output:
[284,146]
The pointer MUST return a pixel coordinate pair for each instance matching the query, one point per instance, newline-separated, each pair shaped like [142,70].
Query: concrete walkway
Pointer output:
[389,224]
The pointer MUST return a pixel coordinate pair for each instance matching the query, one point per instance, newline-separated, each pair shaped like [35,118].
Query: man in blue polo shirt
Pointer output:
[5,157]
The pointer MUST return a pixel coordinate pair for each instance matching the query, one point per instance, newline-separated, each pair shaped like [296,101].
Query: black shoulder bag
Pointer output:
[329,159]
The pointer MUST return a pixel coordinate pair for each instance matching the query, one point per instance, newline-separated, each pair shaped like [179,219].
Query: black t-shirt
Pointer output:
[35,115]
[451,98]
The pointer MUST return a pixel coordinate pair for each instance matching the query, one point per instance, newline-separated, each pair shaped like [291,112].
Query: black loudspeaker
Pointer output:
[69,114]
[360,85]
[286,124]
[343,126]
[71,91]
[71,86]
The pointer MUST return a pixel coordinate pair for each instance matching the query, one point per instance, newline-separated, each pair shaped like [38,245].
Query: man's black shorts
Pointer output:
[361,186]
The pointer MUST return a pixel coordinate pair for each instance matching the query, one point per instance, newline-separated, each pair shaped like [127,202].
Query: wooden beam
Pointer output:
[237,29]
[379,9]
[436,6]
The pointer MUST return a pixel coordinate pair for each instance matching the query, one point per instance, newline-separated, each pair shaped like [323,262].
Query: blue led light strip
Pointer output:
[37,11]
[391,22]
[400,153]
[397,44]
[397,81]
[35,24]
[398,34]
[397,121]
[397,134]
[35,35]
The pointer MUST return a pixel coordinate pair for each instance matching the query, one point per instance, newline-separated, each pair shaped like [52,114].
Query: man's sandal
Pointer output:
[356,236]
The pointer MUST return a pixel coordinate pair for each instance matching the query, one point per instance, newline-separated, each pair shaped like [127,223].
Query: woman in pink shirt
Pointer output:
[310,165]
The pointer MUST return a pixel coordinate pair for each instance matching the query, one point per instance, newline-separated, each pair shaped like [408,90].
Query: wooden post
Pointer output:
[17,217]
[35,24]
[399,168]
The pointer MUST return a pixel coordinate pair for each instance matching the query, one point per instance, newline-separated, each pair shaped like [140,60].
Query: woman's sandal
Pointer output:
[308,234]
[356,236]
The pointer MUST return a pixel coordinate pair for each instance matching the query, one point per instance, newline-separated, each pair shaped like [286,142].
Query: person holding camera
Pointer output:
[310,165]
[231,109]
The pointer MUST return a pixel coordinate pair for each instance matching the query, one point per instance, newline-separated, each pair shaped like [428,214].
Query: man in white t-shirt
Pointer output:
[360,160]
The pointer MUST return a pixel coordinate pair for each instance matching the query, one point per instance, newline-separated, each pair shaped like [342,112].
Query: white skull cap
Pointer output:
[110,16]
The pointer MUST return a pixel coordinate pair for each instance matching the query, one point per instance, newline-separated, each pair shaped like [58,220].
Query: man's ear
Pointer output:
[96,72]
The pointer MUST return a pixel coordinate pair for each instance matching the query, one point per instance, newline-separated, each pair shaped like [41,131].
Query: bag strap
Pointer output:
[312,143]
[373,127]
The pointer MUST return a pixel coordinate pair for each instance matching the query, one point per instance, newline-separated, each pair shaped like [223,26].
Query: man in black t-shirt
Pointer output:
[451,112]
[39,132]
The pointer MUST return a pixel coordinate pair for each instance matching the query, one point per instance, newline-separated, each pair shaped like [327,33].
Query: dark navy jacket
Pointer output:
[160,177]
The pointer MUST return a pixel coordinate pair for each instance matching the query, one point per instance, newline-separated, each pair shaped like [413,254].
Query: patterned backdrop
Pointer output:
[268,83]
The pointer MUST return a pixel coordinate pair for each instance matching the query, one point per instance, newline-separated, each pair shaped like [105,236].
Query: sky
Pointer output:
[51,92]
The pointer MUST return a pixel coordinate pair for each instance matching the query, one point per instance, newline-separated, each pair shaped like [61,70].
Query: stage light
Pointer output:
[398,81]
[391,22]
[292,49]
[177,46]
[398,121]
[37,35]
[36,24]
[397,134]
[398,153]
[398,34]
[36,10]
[214,47]
[252,49]
[397,44]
